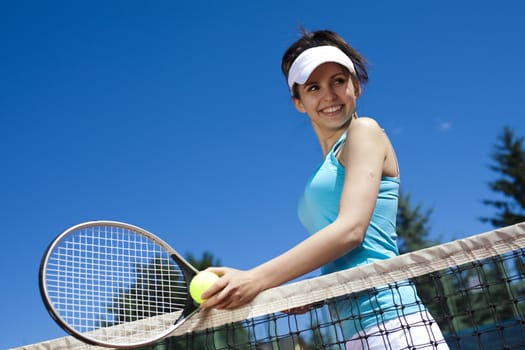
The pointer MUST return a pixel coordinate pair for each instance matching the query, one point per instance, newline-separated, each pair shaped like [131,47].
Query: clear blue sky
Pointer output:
[174,116]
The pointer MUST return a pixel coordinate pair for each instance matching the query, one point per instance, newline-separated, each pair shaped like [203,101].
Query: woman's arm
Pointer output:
[364,153]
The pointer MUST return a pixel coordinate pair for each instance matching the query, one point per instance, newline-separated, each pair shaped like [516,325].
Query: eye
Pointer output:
[312,88]
[340,80]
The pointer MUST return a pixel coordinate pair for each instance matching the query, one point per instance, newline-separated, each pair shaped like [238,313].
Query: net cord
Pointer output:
[410,265]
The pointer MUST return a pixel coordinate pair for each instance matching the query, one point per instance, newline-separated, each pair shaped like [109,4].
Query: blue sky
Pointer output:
[174,116]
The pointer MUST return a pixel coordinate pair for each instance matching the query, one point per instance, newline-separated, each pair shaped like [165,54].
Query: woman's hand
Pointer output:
[233,289]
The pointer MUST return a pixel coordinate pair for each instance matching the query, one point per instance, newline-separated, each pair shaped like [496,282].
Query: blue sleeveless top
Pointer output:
[318,207]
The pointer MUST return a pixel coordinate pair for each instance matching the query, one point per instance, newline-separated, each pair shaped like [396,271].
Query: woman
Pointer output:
[349,205]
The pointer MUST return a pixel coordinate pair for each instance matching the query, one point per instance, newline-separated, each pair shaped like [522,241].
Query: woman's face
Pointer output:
[328,97]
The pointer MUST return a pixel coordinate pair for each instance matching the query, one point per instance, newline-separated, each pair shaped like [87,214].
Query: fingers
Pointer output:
[217,296]
[214,288]
[221,296]
[224,301]
[218,270]
[234,288]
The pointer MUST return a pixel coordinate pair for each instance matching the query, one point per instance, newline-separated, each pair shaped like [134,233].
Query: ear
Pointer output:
[298,105]
[357,88]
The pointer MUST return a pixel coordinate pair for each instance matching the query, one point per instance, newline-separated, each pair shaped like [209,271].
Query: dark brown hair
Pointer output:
[323,38]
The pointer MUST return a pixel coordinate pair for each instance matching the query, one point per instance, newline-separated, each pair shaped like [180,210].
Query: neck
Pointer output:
[328,138]
[327,141]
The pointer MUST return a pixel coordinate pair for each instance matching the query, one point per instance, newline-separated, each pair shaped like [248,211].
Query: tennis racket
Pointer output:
[116,285]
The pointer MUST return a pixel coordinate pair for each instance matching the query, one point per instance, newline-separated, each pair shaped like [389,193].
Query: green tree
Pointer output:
[484,293]
[155,298]
[156,285]
[412,225]
[204,262]
[234,335]
[509,159]
[413,232]
[509,162]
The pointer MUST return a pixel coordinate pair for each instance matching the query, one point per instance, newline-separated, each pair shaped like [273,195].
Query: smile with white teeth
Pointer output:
[332,109]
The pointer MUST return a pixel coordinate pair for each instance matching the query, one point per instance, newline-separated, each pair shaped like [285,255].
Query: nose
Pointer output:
[329,94]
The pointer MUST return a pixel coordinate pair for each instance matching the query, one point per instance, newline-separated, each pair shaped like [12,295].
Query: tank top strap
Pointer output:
[336,148]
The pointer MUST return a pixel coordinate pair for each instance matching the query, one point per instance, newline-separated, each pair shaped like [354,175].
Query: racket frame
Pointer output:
[187,269]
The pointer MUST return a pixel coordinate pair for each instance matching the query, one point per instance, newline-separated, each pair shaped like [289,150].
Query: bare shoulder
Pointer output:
[364,141]
[364,125]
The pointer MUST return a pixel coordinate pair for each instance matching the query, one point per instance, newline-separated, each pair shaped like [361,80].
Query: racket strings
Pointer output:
[105,276]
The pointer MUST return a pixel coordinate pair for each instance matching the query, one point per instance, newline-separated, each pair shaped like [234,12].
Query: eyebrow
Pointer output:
[342,72]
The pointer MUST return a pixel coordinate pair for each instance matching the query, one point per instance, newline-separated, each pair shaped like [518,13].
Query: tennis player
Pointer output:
[349,205]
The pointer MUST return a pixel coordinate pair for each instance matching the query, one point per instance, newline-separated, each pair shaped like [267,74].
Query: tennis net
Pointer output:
[474,288]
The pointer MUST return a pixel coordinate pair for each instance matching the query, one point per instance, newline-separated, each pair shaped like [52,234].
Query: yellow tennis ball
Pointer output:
[202,281]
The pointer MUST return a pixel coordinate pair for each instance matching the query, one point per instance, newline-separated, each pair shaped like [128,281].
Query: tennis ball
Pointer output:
[202,281]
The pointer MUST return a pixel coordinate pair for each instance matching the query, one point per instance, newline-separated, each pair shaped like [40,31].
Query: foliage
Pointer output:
[156,285]
[154,301]
[476,295]
[412,226]
[486,293]
[204,262]
[509,158]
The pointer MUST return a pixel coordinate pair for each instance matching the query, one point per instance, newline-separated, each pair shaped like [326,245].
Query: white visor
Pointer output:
[310,59]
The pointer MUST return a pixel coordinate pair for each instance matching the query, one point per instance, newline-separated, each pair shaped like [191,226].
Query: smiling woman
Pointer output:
[329,99]
[349,204]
